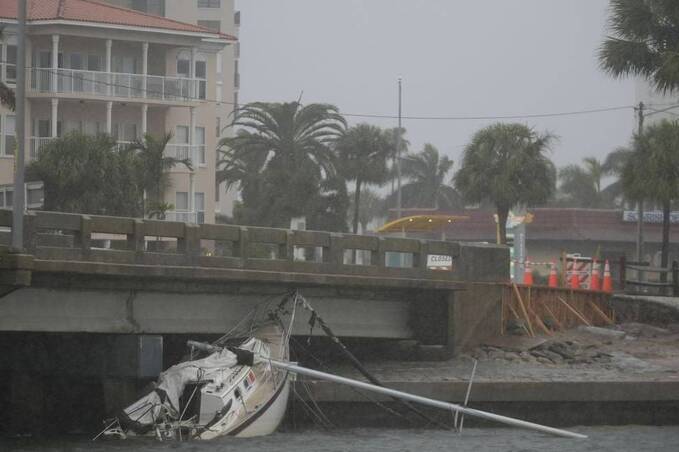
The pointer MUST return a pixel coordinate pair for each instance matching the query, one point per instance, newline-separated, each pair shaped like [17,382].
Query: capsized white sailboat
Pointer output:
[222,394]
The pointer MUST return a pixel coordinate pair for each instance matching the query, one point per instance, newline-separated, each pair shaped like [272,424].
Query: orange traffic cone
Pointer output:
[527,275]
[575,278]
[553,280]
[608,282]
[594,282]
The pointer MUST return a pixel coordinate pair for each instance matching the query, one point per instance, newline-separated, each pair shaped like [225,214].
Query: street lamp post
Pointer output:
[399,200]
[18,205]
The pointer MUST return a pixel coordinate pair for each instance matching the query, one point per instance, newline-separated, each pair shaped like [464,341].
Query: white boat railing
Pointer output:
[114,84]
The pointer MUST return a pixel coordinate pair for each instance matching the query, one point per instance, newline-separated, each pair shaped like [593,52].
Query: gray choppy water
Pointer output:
[614,439]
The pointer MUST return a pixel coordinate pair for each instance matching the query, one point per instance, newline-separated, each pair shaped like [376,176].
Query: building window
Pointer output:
[212,25]
[182,201]
[154,7]
[200,143]
[8,129]
[34,196]
[6,196]
[199,204]
[209,3]
[11,64]
[201,73]
[183,67]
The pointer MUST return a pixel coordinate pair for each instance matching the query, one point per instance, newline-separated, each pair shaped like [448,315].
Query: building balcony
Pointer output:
[116,85]
[196,154]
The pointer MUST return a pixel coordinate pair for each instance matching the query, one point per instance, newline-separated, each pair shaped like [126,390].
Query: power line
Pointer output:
[359,115]
[474,118]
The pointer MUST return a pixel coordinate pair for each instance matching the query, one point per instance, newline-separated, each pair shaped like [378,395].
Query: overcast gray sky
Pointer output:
[456,57]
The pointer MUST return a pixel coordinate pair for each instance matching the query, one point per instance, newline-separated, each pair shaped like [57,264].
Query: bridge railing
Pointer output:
[73,237]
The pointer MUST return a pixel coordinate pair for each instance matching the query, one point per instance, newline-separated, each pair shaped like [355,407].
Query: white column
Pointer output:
[144,120]
[55,63]
[109,46]
[109,117]
[54,118]
[145,63]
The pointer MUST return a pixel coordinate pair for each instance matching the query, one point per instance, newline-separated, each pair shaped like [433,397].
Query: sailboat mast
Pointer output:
[423,400]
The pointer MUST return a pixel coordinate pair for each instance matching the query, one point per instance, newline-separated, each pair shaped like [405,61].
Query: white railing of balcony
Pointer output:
[182,216]
[36,144]
[115,84]
[196,154]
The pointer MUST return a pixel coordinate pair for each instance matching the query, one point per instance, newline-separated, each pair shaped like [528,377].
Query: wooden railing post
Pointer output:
[85,236]
[137,240]
[191,243]
[243,247]
[30,233]
[675,279]
[378,256]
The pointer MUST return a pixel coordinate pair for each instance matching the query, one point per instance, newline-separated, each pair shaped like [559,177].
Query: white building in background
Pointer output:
[102,68]
[218,16]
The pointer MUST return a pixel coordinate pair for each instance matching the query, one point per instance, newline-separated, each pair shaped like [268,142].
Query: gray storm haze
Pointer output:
[456,57]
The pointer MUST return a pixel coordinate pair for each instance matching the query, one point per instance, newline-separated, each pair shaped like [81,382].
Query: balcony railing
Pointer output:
[115,84]
[196,154]
[183,216]
[36,144]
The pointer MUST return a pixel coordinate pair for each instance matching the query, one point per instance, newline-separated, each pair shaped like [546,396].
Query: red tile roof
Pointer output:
[95,12]
[602,225]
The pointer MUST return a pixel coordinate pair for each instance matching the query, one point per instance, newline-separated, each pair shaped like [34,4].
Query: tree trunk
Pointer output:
[665,250]
[502,214]
[357,200]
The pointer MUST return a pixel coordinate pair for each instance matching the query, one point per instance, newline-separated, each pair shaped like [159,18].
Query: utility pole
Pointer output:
[19,159]
[399,200]
[640,203]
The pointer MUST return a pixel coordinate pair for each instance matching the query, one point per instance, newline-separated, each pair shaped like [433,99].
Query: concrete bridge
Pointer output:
[97,305]
[98,274]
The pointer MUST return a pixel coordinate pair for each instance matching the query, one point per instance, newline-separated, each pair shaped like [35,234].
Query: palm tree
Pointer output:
[153,169]
[426,173]
[614,164]
[644,42]
[656,159]
[294,143]
[582,184]
[363,151]
[397,139]
[372,204]
[506,165]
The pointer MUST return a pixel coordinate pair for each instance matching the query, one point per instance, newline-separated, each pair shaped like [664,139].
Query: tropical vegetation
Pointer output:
[426,175]
[644,42]
[283,161]
[363,153]
[655,158]
[507,165]
[92,174]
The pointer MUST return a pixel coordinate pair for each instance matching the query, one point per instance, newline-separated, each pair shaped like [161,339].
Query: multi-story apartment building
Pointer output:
[219,16]
[100,68]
